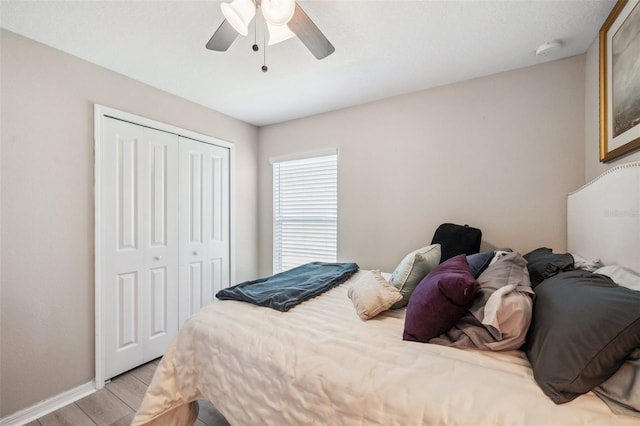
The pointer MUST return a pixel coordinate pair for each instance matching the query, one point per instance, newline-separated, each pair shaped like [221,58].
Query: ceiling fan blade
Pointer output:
[310,34]
[222,38]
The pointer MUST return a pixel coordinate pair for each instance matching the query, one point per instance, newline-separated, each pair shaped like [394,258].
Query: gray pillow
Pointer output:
[621,392]
[412,269]
[584,327]
[543,263]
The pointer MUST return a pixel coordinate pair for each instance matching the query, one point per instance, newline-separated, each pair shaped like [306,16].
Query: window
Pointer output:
[305,211]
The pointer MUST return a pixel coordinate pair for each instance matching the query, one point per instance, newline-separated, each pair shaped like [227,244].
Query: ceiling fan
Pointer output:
[284,19]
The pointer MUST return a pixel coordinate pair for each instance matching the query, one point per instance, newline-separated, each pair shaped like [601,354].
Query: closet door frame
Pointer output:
[101,111]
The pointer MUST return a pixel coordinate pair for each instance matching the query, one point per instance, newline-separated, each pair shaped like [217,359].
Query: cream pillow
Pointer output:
[621,276]
[412,269]
[372,294]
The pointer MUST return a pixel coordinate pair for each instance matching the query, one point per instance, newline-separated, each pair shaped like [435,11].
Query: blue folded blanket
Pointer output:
[285,290]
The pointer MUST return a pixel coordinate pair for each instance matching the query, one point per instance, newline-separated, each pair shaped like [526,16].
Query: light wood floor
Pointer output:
[117,402]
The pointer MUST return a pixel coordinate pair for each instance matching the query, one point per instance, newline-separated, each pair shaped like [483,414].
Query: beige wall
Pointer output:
[47,305]
[499,153]
[593,166]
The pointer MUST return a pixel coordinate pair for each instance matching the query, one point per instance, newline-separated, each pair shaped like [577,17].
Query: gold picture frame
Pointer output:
[619,85]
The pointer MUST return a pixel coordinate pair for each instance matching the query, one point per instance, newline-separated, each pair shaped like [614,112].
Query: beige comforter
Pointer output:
[319,364]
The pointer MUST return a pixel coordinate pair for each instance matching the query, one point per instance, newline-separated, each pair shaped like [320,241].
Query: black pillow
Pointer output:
[479,262]
[542,264]
[584,326]
[457,239]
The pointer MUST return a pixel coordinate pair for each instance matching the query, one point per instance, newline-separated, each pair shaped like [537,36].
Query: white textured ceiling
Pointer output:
[383,48]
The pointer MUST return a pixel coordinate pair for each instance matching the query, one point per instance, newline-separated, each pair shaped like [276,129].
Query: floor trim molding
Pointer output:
[49,405]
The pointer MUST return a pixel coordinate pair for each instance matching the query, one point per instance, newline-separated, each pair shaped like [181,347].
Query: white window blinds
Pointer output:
[305,211]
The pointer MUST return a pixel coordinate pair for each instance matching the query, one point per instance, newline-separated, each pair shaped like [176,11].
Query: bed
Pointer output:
[319,363]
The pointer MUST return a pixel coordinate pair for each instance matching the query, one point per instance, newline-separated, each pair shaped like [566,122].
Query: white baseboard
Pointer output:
[49,405]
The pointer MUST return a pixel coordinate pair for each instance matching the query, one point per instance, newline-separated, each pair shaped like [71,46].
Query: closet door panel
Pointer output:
[192,219]
[218,236]
[161,242]
[127,177]
[139,243]
[218,280]
[204,224]
[159,315]
[127,313]
[122,252]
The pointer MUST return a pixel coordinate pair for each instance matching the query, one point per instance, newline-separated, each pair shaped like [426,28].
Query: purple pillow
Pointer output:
[440,300]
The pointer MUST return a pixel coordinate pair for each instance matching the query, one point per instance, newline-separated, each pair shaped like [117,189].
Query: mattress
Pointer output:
[321,364]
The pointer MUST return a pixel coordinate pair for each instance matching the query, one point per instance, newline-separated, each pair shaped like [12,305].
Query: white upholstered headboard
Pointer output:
[603,217]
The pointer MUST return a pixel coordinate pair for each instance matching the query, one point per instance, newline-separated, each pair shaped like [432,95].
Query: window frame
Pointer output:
[276,261]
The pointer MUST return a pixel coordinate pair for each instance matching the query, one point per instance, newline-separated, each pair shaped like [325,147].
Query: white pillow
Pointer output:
[621,276]
[372,294]
[590,265]
[412,269]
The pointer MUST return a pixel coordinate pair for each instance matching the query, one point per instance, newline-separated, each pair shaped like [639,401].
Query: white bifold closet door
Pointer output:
[140,241]
[164,237]
[204,224]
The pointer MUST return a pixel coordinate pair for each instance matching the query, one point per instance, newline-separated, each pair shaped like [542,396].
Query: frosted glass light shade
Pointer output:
[278,12]
[278,33]
[239,14]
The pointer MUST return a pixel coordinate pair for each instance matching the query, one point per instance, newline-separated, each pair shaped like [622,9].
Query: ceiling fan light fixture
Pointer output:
[279,33]
[278,12]
[239,14]
[292,19]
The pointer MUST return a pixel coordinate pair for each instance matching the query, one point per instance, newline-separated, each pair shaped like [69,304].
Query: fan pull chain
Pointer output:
[264,52]
[255,35]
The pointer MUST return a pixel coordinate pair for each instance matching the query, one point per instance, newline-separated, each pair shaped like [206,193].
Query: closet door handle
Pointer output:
[157,258]
[195,252]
